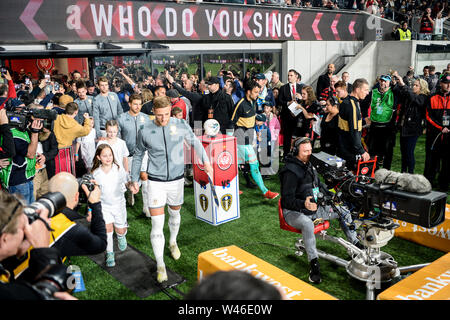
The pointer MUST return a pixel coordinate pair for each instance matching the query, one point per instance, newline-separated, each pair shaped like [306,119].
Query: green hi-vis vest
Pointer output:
[382,106]
[30,169]
[404,35]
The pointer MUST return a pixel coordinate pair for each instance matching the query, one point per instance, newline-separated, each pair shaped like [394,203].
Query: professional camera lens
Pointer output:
[52,201]
[436,213]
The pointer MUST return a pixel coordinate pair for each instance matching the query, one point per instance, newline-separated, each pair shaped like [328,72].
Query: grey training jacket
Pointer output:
[104,109]
[165,150]
[129,126]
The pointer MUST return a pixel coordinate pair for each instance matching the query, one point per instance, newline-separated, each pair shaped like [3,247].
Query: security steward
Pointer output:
[300,187]
[437,145]
[403,33]
[350,126]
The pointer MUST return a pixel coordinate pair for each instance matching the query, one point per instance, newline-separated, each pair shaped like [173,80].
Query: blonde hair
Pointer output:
[161,102]
[147,95]
[423,87]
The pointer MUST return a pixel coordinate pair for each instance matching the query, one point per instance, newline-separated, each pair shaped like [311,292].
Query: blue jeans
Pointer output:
[305,223]
[407,146]
[25,190]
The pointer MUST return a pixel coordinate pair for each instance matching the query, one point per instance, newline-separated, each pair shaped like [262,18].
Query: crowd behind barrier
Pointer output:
[58,126]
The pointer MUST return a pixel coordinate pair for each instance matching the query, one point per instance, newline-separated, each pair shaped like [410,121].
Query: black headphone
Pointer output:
[297,142]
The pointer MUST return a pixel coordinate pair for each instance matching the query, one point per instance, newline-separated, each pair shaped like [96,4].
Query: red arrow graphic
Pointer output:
[351,27]
[334,26]
[247,17]
[27,17]
[315,24]
[82,32]
[156,13]
[293,23]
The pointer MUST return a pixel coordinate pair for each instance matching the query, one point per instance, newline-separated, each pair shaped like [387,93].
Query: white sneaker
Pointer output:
[175,251]
[161,274]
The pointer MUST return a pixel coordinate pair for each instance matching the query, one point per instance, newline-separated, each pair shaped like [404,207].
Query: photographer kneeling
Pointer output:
[300,186]
[16,237]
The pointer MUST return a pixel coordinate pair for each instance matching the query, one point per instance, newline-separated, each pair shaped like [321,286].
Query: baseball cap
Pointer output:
[213,80]
[260,117]
[260,76]
[385,78]
[267,103]
[445,78]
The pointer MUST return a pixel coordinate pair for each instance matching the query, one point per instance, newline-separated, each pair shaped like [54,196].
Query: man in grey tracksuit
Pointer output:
[106,106]
[130,123]
[163,139]
[85,103]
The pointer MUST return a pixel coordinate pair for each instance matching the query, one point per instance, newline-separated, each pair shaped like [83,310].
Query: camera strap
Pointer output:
[45,223]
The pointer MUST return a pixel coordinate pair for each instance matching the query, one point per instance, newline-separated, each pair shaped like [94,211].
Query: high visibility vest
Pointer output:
[404,35]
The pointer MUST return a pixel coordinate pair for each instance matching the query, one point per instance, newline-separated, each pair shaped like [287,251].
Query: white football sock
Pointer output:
[174,224]
[157,238]
[109,242]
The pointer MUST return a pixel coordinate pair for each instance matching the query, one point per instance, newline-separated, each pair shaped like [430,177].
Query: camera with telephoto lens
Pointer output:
[52,201]
[55,279]
[21,119]
[85,180]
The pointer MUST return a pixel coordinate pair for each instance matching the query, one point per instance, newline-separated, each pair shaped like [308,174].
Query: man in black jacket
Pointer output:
[217,105]
[350,126]
[325,79]
[300,186]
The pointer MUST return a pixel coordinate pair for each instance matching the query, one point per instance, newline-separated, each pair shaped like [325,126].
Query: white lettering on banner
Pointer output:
[238,264]
[171,18]
[102,19]
[224,27]
[74,19]
[128,20]
[257,16]
[144,22]
[188,22]
[430,288]
[287,25]
[210,17]
[442,233]
[238,23]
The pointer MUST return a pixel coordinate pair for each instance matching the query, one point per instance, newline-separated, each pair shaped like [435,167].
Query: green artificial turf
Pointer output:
[257,231]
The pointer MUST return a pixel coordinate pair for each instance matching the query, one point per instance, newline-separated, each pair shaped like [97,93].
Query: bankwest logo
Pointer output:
[252,269]
[433,286]
[436,232]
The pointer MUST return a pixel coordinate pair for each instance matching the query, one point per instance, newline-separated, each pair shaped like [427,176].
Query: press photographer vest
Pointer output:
[30,169]
[404,35]
[382,106]
[60,224]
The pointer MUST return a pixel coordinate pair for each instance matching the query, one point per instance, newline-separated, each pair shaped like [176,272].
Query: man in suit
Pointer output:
[288,94]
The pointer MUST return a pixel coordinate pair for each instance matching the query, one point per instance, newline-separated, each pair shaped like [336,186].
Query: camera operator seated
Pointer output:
[300,186]
[68,237]
[16,237]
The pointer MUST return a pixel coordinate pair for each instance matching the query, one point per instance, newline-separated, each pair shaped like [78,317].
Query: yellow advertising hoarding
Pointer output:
[429,283]
[234,258]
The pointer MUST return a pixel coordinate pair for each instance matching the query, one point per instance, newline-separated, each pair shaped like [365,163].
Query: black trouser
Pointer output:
[437,158]
[381,144]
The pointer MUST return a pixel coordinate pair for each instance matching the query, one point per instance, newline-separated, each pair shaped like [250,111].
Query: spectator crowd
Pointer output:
[97,125]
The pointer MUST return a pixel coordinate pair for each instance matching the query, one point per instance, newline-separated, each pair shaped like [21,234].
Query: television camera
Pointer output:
[374,204]
[20,118]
